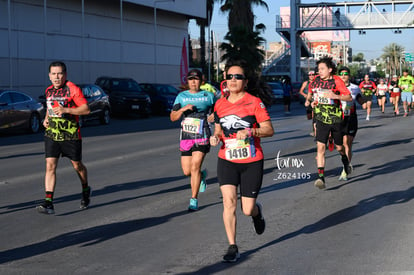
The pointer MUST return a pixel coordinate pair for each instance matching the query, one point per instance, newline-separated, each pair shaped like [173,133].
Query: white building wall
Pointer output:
[94,43]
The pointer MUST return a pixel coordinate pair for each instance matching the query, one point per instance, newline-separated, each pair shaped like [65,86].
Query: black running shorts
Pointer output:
[350,125]
[201,148]
[71,149]
[248,175]
[323,130]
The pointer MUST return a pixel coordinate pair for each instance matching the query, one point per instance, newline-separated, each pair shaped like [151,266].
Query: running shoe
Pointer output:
[367,118]
[232,254]
[320,183]
[86,198]
[343,176]
[350,169]
[398,112]
[331,146]
[203,183]
[193,206]
[405,114]
[259,221]
[46,207]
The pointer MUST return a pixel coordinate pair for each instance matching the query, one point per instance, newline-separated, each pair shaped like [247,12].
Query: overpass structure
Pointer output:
[355,15]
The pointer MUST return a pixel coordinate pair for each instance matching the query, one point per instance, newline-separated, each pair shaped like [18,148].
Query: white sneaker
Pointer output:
[367,118]
[343,176]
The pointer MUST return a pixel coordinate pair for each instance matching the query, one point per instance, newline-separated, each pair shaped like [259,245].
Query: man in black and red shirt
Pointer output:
[328,90]
[368,88]
[65,103]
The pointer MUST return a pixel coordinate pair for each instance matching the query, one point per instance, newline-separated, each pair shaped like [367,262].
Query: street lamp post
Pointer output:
[155,36]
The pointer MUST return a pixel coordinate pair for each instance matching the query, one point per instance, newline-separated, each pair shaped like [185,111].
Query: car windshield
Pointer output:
[126,85]
[166,90]
[276,86]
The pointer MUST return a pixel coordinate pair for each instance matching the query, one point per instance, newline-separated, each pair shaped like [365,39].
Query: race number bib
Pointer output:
[395,90]
[347,107]
[50,105]
[192,125]
[322,97]
[238,149]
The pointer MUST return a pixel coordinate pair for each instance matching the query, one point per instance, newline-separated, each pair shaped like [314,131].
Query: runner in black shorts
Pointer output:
[350,123]
[65,102]
[194,107]
[328,91]
[241,119]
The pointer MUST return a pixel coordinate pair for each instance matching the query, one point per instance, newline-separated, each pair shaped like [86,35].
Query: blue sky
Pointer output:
[370,44]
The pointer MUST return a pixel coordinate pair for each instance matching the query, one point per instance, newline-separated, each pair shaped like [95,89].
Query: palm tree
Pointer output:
[203,23]
[243,36]
[393,53]
[240,12]
[244,42]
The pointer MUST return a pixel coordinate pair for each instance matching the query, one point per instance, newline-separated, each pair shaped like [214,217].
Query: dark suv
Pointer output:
[125,95]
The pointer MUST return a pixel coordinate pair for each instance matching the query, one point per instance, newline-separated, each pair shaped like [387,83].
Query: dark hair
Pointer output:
[255,86]
[58,64]
[328,62]
[344,69]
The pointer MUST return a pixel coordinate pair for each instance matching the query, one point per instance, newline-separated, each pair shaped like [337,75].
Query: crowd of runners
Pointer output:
[236,121]
[331,104]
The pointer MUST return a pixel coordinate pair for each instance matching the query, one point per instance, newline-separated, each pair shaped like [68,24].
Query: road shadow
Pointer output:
[109,189]
[362,208]
[86,237]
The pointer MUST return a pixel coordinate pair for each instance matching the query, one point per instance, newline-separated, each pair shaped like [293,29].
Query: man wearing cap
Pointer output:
[406,84]
[350,121]
[194,106]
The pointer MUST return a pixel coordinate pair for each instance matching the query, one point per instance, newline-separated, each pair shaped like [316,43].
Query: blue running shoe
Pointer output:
[203,183]
[193,205]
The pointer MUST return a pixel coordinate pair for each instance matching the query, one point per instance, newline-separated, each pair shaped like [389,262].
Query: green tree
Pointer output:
[245,41]
[244,38]
[393,54]
[359,57]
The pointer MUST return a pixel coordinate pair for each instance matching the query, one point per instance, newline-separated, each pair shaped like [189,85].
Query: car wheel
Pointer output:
[34,123]
[105,117]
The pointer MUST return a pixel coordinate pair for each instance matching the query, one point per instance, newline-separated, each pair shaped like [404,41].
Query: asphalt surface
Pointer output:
[138,221]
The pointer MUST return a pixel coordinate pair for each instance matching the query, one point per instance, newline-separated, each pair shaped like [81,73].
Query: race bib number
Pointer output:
[50,106]
[192,125]
[322,97]
[237,149]
[395,90]
[346,107]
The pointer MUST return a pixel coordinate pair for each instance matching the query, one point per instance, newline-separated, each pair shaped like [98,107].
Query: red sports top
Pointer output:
[247,112]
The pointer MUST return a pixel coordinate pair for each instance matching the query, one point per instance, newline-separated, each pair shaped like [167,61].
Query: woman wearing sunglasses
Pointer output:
[194,106]
[241,119]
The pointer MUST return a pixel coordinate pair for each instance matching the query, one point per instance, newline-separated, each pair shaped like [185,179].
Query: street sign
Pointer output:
[409,57]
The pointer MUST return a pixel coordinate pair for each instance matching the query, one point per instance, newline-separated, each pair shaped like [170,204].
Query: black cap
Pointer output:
[194,73]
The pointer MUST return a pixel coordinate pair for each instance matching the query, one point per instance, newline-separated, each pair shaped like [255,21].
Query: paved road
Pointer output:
[138,223]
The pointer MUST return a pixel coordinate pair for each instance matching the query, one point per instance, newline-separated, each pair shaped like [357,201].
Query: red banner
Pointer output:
[184,64]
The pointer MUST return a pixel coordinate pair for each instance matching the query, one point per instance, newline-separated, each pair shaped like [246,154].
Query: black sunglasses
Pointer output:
[236,76]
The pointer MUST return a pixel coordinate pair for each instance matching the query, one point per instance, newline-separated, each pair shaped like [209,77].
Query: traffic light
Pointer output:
[349,55]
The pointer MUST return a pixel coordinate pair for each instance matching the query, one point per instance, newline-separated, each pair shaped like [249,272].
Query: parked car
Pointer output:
[162,96]
[277,91]
[20,111]
[98,102]
[125,95]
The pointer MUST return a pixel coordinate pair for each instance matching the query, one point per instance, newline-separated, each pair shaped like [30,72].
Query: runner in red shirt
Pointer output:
[65,103]
[241,119]
[328,90]
[368,88]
